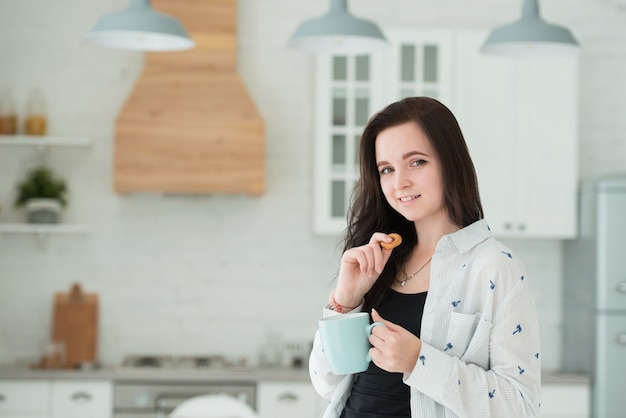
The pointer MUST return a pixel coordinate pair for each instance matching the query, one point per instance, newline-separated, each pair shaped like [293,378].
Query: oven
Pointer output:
[154,386]
[149,399]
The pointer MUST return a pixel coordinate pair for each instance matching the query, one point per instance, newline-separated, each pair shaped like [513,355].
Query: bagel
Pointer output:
[397,240]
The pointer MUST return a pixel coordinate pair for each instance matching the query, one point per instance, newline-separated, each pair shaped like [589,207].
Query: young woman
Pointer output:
[462,335]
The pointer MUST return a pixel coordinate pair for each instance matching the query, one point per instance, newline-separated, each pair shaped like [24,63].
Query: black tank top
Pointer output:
[376,392]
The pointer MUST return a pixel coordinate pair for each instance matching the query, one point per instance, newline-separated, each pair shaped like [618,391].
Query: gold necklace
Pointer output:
[403,281]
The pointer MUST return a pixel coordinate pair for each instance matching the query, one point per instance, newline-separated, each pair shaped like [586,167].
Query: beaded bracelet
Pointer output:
[337,307]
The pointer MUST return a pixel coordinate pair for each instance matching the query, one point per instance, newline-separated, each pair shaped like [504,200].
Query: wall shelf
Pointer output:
[43,229]
[44,141]
[42,144]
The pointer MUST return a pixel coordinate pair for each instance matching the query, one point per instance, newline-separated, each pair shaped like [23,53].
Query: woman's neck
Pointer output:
[431,231]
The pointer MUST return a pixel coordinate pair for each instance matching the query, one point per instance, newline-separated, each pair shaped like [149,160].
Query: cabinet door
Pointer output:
[548,146]
[24,399]
[288,400]
[419,63]
[82,399]
[483,106]
[518,116]
[565,401]
[349,90]
[346,97]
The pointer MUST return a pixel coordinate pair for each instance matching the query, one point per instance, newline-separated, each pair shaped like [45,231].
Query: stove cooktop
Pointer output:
[184,362]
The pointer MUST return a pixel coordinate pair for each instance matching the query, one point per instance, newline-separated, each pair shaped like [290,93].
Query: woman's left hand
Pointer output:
[394,348]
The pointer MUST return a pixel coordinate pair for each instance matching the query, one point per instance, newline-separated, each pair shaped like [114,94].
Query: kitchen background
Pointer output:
[212,274]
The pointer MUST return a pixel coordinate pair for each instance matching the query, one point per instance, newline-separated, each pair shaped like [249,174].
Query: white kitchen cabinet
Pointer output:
[24,398]
[288,400]
[82,399]
[347,97]
[349,89]
[519,118]
[565,400]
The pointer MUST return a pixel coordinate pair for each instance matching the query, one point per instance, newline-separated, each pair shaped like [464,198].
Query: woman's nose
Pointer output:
[402,179]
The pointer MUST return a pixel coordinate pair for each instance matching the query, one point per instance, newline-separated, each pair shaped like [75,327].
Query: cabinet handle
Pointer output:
[81,397]
[621,287]
[522,227]
[2,398]
[621,338]
[507,226]
[288,397]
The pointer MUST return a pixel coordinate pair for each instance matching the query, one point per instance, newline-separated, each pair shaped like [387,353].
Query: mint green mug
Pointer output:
[345,341]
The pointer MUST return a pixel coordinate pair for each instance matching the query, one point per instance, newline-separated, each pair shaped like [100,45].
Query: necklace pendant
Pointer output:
[402,283]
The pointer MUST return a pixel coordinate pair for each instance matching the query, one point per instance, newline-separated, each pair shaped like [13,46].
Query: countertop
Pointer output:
[223,374]
[554,377]
[120,374]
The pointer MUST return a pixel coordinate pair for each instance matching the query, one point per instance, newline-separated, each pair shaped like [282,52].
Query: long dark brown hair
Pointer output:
[370,212]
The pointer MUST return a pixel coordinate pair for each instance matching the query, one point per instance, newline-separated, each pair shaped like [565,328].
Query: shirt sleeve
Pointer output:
[323,379]
[510,384]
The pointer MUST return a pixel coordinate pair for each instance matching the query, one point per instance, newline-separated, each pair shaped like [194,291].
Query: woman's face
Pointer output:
[410,172]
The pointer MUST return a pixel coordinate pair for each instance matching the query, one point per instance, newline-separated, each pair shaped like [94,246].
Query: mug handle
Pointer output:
[368,331]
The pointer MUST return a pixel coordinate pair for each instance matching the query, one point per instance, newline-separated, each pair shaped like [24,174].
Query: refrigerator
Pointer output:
[594,285]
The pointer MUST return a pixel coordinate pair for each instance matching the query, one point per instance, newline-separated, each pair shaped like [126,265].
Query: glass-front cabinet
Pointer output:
[349,89]
[346,99]
[516,114]
[419,64]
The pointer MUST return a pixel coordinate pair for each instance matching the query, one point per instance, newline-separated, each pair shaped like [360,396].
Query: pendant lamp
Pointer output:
[140,28]
[530,36]
[339,33]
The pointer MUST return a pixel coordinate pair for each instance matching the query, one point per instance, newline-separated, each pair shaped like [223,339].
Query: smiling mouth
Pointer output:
[405,199]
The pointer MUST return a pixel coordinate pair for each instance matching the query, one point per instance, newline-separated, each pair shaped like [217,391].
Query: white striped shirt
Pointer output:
[480,353]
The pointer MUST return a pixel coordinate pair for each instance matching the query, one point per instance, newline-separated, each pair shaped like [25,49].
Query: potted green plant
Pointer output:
[43,195]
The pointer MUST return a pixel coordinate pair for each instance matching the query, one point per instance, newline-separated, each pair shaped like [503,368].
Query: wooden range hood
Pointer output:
[189,125]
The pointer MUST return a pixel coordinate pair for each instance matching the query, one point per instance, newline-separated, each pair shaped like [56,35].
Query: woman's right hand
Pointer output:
[360,268]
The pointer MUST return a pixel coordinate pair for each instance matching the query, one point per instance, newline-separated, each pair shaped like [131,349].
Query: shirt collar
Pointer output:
[467,238]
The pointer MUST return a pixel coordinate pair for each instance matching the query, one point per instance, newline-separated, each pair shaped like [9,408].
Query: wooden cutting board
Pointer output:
[75,322]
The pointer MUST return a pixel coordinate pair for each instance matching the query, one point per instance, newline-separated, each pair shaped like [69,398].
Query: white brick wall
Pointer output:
[170,275]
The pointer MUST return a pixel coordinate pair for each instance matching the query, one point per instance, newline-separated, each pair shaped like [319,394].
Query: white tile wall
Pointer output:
[171,274]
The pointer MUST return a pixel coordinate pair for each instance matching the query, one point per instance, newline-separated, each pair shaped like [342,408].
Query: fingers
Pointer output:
[371,258]
[387,241]
[361,266]
[368,257]
[377,318]
[394,349]
[380,333]
[383,244]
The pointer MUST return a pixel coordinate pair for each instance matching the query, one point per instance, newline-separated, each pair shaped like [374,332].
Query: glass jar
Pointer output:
[8,114]
[35,122]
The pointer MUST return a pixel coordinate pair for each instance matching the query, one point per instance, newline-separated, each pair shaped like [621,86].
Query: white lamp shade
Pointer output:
[338,33]
[141,28]
[530,36]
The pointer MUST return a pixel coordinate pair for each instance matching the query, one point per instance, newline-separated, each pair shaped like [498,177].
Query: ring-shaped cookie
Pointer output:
[397,240]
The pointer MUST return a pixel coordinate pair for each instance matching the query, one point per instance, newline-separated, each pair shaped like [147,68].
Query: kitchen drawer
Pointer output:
[24,398]
[565,400]
[82,399]
[288,400]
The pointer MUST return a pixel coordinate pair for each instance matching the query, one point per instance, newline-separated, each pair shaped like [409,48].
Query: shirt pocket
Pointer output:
[468,338]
